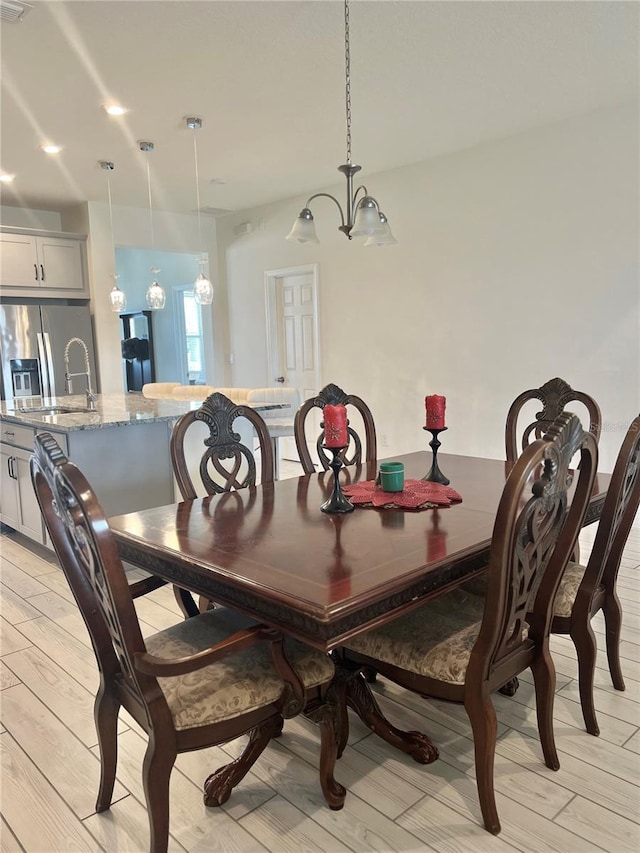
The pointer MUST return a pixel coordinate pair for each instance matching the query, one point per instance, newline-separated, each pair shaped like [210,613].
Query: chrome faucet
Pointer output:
[91,396]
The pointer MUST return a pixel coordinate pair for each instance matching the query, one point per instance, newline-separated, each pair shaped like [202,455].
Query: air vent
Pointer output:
[12,11]
[214,211]
[243,228]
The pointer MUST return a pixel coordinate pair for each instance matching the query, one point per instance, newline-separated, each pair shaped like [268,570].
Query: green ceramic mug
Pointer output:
[391,476]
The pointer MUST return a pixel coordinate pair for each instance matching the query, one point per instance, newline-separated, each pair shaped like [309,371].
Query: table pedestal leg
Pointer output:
[510,688]
[359,698]
[327,714]
[218,786]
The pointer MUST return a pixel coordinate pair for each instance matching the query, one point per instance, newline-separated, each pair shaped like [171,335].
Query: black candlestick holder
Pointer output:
[435,475]
[337,502]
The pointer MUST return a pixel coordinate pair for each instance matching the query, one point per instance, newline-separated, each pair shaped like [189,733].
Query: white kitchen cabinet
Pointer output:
[9,502]
[19,507]
[39,263]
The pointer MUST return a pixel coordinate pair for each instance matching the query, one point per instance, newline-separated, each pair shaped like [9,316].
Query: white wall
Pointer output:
[21,217]
[517,262]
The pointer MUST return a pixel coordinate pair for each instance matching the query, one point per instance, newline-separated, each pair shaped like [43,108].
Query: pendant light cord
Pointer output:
[153,242]
[195,160]
[347,78]
[113,242]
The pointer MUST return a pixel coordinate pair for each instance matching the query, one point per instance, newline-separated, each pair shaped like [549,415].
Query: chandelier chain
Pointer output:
[347,76]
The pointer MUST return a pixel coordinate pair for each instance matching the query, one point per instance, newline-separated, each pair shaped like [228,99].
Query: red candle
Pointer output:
[435,406]
[335,425]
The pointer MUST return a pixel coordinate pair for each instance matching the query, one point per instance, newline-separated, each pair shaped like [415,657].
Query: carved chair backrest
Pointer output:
[226,462]
[555,395]
[619,510]
[353,454]
[533,536]
[89,558]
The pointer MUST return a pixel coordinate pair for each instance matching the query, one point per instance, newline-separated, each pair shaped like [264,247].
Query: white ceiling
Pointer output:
[268,80]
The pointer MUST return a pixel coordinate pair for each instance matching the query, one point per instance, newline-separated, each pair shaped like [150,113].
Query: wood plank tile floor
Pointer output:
[49,761]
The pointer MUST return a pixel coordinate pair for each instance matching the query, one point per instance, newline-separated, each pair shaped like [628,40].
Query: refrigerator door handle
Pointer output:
[50,370]
[44,369]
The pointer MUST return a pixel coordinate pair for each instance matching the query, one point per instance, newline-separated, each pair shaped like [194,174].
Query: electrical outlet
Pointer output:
[383,440]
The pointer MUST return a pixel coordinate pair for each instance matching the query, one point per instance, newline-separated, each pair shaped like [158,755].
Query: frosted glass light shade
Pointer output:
[304,229]
[203,290]
[367,221]
[384,239]
[117,299]
[155,296]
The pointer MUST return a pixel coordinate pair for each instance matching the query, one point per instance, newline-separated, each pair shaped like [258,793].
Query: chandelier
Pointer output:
[362,216]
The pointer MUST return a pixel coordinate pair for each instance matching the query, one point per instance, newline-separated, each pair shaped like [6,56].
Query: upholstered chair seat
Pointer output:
[434,641]
[242,682]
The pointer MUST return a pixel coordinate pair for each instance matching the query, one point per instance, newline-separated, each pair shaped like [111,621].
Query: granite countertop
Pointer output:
[112,410]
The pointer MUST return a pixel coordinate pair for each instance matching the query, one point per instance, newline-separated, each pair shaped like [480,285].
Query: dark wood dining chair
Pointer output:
[460,646]
[555,395]
[585,590]
[224,463]
[201,682]
[353,454]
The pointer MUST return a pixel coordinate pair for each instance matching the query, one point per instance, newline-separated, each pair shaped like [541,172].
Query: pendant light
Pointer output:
[117,298]
[155,295]
[361,218]
[202,288]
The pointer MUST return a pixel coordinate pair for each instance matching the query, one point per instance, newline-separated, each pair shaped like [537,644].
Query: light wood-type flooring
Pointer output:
[50,766]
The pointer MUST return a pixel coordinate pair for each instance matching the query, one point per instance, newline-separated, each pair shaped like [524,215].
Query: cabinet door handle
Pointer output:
[9,432]
[42,271]
[10,468]
[35,269]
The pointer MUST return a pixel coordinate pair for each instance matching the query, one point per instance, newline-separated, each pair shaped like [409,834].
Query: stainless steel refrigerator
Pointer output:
[32,345]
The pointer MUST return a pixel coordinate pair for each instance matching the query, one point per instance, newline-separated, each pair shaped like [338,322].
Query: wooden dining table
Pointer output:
[270,553]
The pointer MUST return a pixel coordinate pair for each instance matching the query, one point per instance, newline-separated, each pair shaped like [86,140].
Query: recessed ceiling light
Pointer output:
[51,149]
[115,109]
[6,179]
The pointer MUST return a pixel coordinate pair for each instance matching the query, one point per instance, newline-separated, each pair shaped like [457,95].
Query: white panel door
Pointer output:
[296,361]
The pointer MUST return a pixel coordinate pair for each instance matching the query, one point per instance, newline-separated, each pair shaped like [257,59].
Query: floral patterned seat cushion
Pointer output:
[435,640]
[240,682]
[571,580]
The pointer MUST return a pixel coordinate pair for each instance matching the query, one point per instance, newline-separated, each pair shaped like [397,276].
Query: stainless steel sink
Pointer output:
[52,410]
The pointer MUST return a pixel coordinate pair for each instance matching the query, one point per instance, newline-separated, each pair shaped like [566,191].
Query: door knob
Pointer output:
[279,378]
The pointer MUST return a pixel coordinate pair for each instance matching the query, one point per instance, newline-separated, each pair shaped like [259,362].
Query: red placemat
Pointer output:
[417,494]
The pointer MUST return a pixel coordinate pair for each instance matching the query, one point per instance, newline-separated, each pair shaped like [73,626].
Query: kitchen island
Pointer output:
[122,447]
